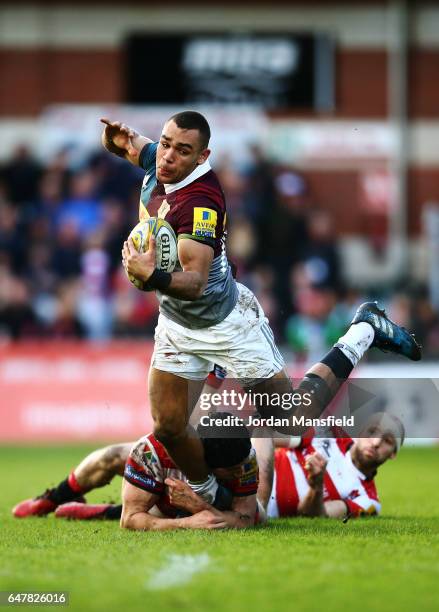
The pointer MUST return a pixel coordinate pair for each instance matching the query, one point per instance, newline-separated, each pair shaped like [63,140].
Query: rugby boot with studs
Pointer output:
[37,506]
[82,512]
[388,335]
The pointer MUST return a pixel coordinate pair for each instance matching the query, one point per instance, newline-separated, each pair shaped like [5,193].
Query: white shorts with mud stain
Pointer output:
[243,344]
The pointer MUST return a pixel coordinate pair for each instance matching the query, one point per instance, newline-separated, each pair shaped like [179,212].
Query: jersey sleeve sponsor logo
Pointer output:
[205,221]
[247,483]
[142,480]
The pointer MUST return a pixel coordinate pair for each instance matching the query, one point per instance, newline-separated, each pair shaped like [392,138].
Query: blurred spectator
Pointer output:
[319,320]
[116,230]
[135,312]
[94,307]
[12,238]
[82,208]
[21,175]
[17,319]
[286,231]
[65,324]
[425,323]
[320,254]
[242,244]
[67,250]
[259,195]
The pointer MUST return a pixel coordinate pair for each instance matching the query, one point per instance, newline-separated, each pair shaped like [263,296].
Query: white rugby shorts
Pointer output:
[243,344]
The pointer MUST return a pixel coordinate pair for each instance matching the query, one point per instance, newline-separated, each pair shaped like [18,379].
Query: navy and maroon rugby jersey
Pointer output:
[196,209]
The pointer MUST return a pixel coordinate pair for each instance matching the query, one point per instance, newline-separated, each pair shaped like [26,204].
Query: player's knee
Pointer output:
[167,429]
[114,457]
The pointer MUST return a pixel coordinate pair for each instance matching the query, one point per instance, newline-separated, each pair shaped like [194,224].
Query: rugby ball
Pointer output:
[166,245]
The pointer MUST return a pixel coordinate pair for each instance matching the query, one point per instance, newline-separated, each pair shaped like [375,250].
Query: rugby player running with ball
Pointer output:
[207,317]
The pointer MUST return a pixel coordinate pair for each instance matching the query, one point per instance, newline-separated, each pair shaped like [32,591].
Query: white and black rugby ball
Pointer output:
[166,245]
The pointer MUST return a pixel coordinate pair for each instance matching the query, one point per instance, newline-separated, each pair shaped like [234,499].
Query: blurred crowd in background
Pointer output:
[61,234]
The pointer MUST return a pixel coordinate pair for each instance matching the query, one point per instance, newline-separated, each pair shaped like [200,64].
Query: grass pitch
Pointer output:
[386,563]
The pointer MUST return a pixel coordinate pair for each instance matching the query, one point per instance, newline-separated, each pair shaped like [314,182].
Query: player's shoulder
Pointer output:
[344,444]
[147,156]
[206,187]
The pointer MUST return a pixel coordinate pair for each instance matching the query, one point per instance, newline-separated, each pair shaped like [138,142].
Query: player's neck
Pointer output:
[368,471]
[196,173]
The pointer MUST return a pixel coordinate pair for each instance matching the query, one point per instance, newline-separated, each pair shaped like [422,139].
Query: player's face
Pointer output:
[375,447]
[178,154]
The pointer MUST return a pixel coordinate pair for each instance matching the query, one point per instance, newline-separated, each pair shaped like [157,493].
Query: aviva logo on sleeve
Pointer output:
[205,221]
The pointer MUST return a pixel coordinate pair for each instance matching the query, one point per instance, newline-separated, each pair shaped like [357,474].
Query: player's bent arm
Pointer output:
[312,504]
[135,511]
[243,512]
[335,509]
[196,259]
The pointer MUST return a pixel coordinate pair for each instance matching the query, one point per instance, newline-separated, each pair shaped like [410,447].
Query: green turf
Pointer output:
[386,563]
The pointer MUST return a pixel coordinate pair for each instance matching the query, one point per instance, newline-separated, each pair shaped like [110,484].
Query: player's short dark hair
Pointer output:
[191,120]
[224,445]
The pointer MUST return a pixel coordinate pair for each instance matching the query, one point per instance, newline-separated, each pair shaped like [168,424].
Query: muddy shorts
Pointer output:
[243,344]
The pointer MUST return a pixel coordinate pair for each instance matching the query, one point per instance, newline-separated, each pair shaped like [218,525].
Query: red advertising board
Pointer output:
[74,392]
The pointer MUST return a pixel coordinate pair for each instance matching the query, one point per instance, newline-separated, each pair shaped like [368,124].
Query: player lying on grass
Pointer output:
[154,490]
[331,477]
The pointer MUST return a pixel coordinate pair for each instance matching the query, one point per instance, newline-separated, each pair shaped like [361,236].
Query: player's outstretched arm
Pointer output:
[122,140]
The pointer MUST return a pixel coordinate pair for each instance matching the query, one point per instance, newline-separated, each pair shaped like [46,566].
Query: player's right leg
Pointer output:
[169,397]
[171,405]
[176,378]
[95,470]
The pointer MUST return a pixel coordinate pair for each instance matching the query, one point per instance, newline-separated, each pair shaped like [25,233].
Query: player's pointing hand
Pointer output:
[118,137]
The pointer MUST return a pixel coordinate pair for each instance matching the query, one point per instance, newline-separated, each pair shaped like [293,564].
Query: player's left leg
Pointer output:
[254,358]
[95,470]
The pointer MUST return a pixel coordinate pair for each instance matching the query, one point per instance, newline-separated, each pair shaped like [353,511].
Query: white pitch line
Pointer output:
[179,569]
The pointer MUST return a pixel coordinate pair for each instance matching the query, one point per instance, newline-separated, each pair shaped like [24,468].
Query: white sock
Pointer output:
[356,341]
[206,489]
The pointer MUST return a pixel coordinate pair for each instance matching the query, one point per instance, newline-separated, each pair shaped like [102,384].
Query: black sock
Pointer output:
[63,493]
[338,363]
[113,513]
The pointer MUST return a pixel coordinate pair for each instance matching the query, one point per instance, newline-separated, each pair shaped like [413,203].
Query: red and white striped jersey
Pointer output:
[342,481]
[148,466]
